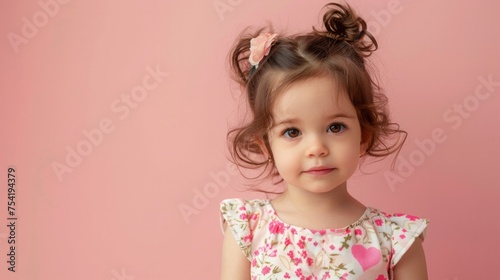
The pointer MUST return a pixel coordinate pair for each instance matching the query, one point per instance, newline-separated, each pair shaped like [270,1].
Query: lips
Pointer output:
[319,170]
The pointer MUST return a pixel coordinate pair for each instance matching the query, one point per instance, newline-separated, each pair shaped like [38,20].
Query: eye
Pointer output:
[291,133]
[337,127]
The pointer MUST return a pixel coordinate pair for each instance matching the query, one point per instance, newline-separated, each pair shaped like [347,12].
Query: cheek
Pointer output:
[348,153]
[284,159]
[280,155]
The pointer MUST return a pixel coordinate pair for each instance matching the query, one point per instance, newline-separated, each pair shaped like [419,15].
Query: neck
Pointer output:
[306,203]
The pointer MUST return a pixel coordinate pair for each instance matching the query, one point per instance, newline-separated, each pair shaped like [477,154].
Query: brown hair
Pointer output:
[339,50]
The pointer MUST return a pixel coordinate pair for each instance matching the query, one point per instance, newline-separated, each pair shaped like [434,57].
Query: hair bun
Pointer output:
[343,24]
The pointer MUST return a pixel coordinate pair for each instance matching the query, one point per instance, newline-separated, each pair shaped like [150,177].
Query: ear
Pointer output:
[363,147]
[263,147]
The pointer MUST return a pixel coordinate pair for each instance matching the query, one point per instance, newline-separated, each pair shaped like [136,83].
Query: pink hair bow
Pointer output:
[260,47]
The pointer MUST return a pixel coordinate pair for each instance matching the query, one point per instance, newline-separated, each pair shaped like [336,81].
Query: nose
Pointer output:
[316,147]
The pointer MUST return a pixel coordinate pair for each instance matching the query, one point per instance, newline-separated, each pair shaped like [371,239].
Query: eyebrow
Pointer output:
[334,116]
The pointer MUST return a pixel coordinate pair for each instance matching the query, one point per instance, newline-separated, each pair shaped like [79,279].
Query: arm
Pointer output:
[235,266]
[412,265]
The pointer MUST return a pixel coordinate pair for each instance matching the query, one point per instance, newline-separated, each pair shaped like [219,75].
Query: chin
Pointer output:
[323,188]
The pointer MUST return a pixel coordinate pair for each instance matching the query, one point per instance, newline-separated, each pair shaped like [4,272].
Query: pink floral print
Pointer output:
[367,249]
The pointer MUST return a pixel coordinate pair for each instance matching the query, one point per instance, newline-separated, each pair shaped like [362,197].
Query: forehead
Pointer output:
[318,95]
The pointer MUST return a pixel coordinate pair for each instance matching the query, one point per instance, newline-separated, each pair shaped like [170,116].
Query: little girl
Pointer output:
[316,112]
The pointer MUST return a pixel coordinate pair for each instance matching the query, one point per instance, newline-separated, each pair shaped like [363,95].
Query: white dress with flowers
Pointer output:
[366,249]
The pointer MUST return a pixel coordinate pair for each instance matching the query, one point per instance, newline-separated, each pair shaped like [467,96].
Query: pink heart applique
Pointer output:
[366,257]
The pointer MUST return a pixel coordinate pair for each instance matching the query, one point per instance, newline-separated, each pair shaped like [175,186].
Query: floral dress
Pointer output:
[367,249]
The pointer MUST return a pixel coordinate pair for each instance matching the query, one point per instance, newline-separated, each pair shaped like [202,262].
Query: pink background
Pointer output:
[67,70]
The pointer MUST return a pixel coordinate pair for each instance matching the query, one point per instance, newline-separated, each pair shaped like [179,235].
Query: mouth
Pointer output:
[319,170]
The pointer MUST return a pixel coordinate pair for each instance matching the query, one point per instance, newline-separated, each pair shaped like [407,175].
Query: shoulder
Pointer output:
[243,204]
[401,230]
[242,213]
[240,217]
[237,208]
[397,220]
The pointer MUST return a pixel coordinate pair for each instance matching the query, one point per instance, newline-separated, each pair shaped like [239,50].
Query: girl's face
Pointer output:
[316,139]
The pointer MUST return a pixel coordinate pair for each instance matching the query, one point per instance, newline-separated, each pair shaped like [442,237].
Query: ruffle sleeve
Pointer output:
[405,229]
[242,217]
